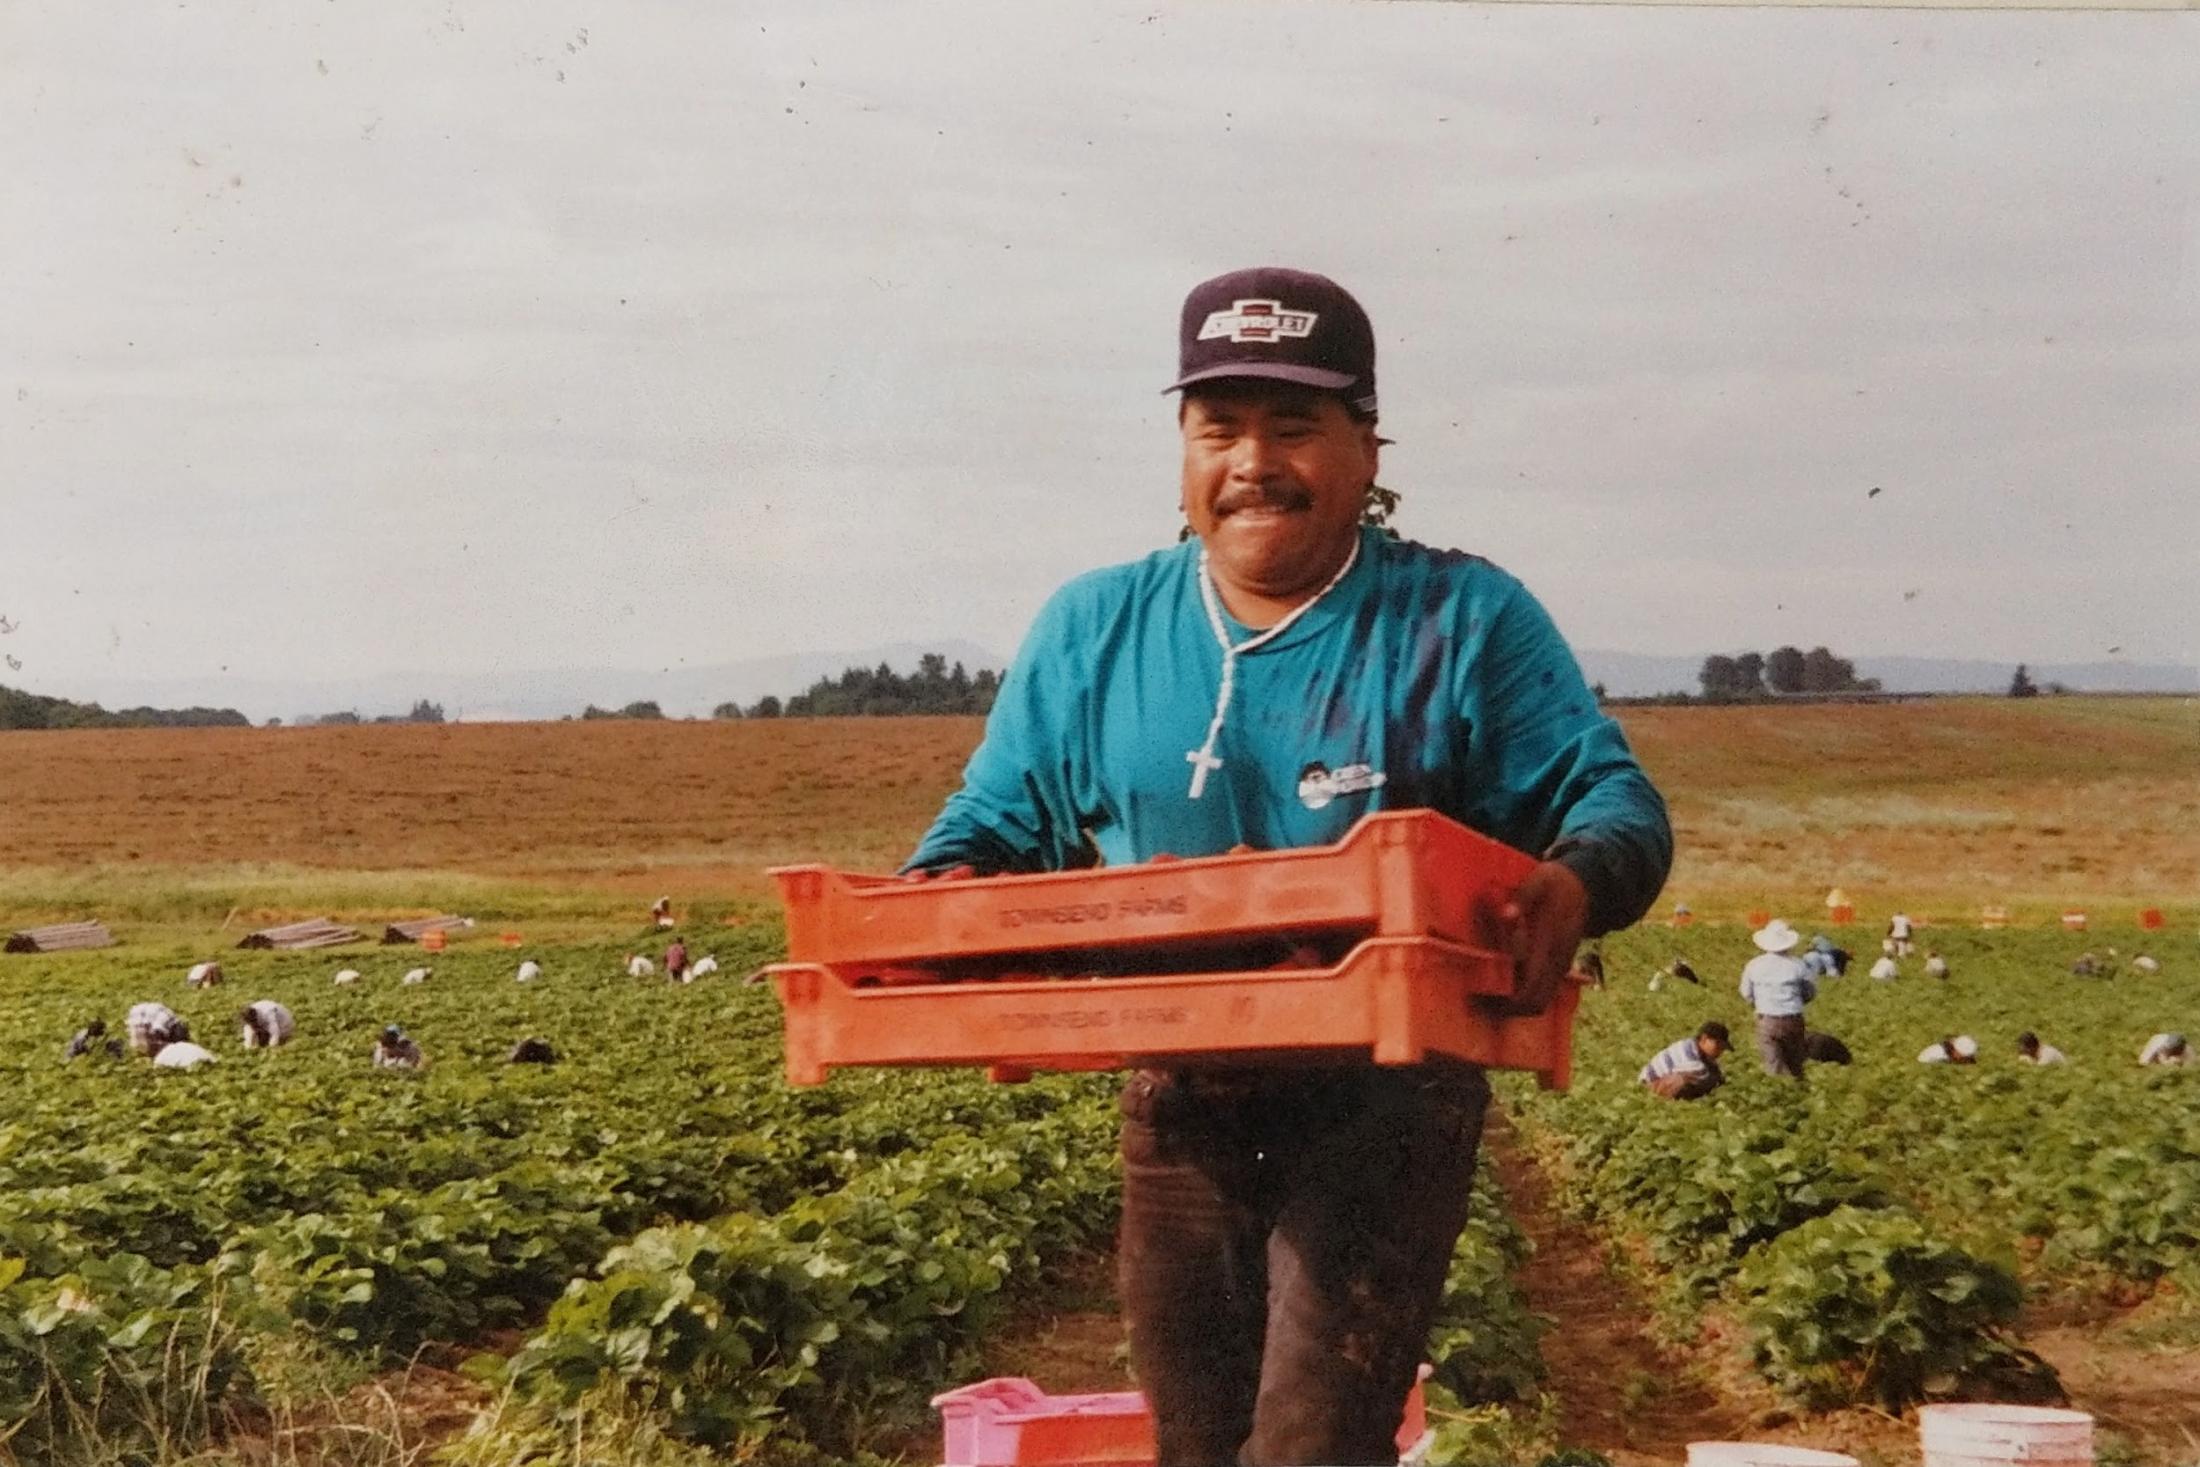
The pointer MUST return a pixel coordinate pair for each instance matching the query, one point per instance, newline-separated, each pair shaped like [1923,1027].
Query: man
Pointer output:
[2166,1049]
[676,961]
[150,1025]
[1959,1049]
[1825,960]
[395,1050]
[265,1024]
[1778,987]
[1286,1232]
[92,1039]
[1898,933]
[1688,1069]
[2032,1052]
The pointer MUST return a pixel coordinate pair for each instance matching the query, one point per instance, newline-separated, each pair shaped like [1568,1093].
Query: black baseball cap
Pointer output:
[1282,324]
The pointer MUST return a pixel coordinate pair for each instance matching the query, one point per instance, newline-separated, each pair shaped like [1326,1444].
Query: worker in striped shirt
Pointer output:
[1688,1069]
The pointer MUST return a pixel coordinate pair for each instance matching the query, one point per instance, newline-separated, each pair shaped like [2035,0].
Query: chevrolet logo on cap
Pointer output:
[1258,320]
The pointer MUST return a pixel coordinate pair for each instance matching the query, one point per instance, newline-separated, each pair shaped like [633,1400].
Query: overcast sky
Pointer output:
[461,336]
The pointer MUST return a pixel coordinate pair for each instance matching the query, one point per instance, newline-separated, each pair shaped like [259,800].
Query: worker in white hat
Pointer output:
[1778,986]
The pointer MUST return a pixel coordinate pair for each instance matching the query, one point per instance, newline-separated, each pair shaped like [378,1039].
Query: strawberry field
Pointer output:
[655,1227]
[1880,1233]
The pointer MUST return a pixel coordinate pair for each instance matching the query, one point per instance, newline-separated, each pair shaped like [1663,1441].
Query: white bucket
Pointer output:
[1965,1436]
[1762,1454]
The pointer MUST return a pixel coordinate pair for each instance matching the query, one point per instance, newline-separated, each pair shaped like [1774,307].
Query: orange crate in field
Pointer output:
[1402,873]
[1392,1000]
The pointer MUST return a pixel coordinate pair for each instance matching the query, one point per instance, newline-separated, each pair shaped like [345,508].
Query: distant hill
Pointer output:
[30,710]
[1639,675]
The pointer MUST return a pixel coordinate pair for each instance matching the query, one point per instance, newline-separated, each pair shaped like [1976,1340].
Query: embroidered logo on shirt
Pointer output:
[1258,320]
[1319,784]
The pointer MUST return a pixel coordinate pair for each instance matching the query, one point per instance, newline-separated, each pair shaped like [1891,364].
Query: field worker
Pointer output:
[1821,1048]
[1886,969]
[264,1024]
[395,1051]
[1936,966]
[1898,933]
[532,1052]
[1778,987]
[1285,1232]
[151,1025]
[1688,1069]
[676,961]
[1961,1049]
[2166,1049]
[92,1039]
[2089,966]
[1824,959]
[180,1054]
[2032,1052]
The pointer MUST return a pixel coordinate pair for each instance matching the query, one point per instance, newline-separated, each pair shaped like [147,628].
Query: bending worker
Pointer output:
[1286,1231]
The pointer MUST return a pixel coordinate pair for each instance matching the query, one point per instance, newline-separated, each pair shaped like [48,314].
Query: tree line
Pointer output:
[19,709]
[880,692]
[423,711]
[1750,676]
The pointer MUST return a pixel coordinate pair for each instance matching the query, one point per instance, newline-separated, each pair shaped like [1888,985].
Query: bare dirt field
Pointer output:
[1949,802]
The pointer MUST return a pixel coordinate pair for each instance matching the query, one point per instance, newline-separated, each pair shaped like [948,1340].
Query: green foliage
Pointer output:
[1483,1342]
[19,709]
[1752,676]
[1860,1306]
[1854,1215]
[934,688]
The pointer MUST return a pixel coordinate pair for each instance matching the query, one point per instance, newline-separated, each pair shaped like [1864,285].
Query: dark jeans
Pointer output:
[1285,1240]
[1780,1044]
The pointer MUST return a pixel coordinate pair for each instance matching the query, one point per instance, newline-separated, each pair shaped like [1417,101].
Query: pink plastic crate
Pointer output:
[1009,1422]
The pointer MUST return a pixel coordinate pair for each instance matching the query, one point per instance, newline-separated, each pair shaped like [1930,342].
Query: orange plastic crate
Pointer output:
[1392,1000]
[1403,873]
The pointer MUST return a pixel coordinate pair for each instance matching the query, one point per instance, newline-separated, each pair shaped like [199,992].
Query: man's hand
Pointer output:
[1541,928]
[953,873]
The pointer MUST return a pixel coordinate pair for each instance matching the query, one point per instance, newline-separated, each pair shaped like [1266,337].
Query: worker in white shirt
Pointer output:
[1778,986]
[264,1024]
[1961,1049]
[2032,1052]
[2166,1049]
[151,1025]
[1898,933]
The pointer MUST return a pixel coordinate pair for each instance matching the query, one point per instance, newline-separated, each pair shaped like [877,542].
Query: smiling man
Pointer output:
[1286,1232]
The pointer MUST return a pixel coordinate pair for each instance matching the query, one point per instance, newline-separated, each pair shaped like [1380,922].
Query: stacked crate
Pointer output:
[1384,947]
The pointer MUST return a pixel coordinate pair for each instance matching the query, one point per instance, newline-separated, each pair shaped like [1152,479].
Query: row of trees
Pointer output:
[880,692]
[34,710]
[423,711]
[1783,671]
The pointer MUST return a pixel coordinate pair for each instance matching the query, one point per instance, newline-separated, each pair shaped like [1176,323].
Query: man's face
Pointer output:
[1709,1047]
[1275,478]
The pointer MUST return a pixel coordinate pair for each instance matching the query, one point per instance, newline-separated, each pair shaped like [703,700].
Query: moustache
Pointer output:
[1268,496]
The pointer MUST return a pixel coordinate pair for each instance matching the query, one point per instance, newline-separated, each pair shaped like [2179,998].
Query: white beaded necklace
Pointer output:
[1203,758]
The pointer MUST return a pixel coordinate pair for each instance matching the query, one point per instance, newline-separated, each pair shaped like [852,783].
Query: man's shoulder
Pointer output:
[1126,583]
[1464,568]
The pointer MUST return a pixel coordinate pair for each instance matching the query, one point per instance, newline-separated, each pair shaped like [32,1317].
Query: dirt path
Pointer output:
[1618,1391]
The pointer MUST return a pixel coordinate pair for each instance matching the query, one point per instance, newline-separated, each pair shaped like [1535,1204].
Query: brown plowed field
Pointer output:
[1959,800]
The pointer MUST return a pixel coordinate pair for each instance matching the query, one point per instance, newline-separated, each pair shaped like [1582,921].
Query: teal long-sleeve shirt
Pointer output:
[1424,679]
